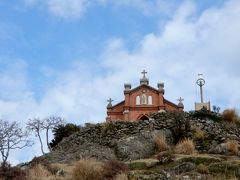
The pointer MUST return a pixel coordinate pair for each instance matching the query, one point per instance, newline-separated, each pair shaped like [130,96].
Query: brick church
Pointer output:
[140,101]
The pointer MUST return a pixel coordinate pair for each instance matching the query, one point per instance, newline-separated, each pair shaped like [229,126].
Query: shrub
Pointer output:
[165,157]
[230,115]
[43,162]
[181,126]
[232,146]
[185,146]
[113,167]
[198,134]
[38,172]
[161,143]
[87,169]
[61,131]
[204,113]
[13,173]
[203,169]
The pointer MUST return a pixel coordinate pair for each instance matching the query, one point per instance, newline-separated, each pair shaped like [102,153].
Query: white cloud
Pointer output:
[189,44]
[74,9]
[30,2]
[68,8]
[148,7]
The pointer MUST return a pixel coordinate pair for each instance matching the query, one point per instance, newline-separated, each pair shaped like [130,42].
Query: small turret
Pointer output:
[161,87]
[127,86]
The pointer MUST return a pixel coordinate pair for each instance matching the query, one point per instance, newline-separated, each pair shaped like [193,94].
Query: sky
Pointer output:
[67,57]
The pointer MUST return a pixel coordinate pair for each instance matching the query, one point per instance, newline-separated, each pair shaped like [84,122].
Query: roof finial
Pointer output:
[144,80]
[144,72]
[180,104]
[180,100]
[109,103]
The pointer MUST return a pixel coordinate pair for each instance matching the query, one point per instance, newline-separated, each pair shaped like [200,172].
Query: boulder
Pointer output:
[135,147]
[218,149]
[139,146]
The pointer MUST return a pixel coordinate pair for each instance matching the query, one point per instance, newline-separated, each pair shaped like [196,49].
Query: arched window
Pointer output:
[138,100]
[150,100]
[144,99]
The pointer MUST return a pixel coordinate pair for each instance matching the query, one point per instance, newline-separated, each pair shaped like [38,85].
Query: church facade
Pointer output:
[141,101]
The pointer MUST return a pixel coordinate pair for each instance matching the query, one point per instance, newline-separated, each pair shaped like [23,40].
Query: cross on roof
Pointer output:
[110,100]
[200,75]
[144,72]
[180,99]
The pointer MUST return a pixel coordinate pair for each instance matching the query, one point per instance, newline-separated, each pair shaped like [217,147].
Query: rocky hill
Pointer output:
[136,140]
[197,145]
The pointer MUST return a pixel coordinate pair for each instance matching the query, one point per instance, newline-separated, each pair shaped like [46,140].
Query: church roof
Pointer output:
[143,85]
[120,103]
[169,102]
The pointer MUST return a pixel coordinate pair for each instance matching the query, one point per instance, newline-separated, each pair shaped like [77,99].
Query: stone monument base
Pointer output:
[199,106]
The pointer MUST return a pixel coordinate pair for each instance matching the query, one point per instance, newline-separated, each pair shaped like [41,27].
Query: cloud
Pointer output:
[147,7]
[75,9]
[67,8]
[30,2]
[188,44]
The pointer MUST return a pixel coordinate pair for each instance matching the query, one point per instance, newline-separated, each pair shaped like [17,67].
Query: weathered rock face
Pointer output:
[119,140]
[128,147]
[140,145]
[135,147]
[134,140]
[86,150]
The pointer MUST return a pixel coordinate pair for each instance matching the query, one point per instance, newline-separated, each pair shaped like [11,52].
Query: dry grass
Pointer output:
[121,176]
[231,116]
[198,134]
[185,146]
[112,168]
[39,172]
[87,169]
[232,146]
[203,169]
[161,143]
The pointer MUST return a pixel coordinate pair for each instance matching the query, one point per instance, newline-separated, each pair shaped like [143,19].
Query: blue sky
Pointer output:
[66,57]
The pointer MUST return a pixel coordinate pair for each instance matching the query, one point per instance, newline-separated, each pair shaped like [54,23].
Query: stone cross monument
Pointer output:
[198,106]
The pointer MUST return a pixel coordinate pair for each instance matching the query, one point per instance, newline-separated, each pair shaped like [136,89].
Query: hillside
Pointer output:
[135,144]
[197,145]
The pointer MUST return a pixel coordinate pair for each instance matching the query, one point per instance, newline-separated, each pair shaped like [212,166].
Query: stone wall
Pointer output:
[135,140]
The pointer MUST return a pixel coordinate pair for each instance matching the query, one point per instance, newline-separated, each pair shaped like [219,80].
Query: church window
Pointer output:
[138,100]
[144,99]
[150,100]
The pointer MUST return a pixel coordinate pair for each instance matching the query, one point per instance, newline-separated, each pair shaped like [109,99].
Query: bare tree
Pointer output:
[11,137]
[37,125]
[49,124]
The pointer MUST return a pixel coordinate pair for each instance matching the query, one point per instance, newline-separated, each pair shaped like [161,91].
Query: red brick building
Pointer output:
[140,102]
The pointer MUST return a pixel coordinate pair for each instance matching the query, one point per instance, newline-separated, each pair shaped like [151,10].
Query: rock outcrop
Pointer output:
[135,140]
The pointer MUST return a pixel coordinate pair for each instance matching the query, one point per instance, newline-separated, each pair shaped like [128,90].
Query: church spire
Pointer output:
[144,79]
